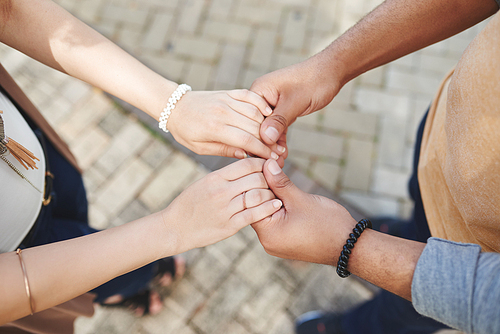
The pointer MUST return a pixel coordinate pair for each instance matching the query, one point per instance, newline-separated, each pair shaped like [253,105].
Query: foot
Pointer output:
[317,322]
[169,270]
[146,302]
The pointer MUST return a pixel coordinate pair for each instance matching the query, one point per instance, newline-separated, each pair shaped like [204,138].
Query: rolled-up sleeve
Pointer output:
[458,285]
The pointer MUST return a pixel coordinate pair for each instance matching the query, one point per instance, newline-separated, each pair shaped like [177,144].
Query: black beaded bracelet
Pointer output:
[346,251]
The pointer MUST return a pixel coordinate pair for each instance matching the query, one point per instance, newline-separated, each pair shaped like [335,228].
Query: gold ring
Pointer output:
[244,201]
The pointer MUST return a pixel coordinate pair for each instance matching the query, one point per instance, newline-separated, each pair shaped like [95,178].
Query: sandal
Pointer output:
[140,303]
[169,269]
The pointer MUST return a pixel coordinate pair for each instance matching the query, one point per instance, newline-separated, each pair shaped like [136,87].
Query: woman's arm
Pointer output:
[208,211]
[46,32]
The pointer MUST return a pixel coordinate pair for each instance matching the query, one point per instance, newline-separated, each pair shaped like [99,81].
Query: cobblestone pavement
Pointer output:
[358,149]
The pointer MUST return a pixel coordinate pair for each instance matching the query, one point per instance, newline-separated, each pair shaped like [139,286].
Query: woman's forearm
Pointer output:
[46,32]
[60,271]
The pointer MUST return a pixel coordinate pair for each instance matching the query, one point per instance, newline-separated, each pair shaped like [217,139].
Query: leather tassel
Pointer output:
[21,153]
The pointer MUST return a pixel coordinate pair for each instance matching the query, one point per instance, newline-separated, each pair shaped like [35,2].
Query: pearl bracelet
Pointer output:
[174,98]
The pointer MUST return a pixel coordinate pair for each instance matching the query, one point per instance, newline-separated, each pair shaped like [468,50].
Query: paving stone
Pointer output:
[234,33]
[198,76]
[191,12]
[264,306]
[394,105]
[229,66]
[354,122]
[375,77]
[222,305]
[302,181]
[75,90]
[423,84]
[93,179]
[436,63]
[262,15]
[170,67]
[185,297]
[250,76]
[282,324]
[116,13]
[196,47]
[168,183]
[374,205]
[113,121]
[326,173]
[125,144]
[233,327]
[156,153]
[133,211]
[301,161]
[81,119]
[263,48]
[167,322]
[326,291]
[88,147]
[220,9]
[315,143]
[57,110]
[123,187]
[324,15]
[155,35]
[230,249]
[390,182]
[284,59]
[295,29]
[255,266]
[209,272]
[358,168]
[392,142]
[97,219]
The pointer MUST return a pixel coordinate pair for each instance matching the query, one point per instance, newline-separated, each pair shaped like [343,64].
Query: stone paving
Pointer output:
[357,150]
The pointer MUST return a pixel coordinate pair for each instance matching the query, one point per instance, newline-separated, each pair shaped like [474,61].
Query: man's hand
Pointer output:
[308,227]
[294,91]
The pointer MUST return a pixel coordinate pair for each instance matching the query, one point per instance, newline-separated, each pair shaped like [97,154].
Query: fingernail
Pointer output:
[274,156]
[272,133]
[273,167]
[281,149]
[269,111]
[277,203]
[240,155]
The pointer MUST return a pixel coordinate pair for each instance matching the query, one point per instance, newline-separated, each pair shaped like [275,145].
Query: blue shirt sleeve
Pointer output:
[458,285]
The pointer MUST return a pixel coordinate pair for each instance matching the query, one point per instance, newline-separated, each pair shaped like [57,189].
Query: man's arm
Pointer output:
[450,282]
[314,229]
[392,30]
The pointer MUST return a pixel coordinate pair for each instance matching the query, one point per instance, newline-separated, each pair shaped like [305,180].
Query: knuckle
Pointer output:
[284,183]
[280,119]
[246,140]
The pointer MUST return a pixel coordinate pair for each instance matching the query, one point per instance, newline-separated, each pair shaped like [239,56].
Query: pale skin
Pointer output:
[208,211]
[313,228]
[222,123]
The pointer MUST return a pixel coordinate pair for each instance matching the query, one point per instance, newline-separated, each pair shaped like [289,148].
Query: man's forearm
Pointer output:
[48,33]
[386,261]
[397,28]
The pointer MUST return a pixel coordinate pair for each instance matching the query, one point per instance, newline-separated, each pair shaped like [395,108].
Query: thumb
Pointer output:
[278,182]
[276,124]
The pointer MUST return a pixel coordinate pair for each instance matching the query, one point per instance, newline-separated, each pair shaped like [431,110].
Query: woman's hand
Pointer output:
[219,205]
[224,123]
